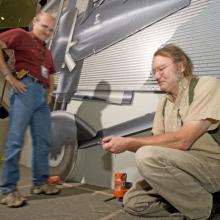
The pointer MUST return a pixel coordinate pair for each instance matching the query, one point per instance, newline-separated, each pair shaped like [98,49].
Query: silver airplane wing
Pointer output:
[110,21]
[104,23]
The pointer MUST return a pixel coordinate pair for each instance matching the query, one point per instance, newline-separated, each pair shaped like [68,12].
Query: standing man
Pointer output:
[180,163]
[31,90]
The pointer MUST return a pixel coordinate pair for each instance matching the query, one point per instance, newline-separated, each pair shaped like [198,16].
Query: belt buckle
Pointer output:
[35,80]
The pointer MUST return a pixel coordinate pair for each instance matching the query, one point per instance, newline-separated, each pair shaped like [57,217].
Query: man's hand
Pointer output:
[49,97]
[182,139]
[50,89]
[114,144]
[18,86]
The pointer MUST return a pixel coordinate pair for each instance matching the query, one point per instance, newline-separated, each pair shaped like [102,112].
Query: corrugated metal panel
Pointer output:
[126,65]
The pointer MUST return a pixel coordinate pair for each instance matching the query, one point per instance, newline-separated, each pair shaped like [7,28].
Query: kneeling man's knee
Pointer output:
[146,156]
[132,204]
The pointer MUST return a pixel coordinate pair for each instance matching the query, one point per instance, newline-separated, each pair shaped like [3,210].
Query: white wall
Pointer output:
[95,166]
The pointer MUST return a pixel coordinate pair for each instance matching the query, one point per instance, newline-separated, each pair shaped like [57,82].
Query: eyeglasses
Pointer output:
[160,69]
[46,27]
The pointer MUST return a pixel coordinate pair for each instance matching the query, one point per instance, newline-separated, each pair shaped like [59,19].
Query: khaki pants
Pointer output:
[173,178]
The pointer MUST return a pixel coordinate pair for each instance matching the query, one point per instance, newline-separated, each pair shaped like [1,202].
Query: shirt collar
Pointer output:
[183,85]
[37,39]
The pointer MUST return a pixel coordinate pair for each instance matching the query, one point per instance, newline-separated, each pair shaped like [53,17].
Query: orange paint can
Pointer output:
[119,184]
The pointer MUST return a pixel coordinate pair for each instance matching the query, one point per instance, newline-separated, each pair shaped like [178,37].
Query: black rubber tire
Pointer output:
[64,148]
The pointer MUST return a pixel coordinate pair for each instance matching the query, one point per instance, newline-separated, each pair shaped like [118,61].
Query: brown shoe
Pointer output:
[13,199]
[45,189]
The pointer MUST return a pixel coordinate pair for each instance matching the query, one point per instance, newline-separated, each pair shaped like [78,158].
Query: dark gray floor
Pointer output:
[76,202]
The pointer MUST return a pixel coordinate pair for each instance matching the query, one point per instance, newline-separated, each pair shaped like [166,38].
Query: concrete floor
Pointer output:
[76,202]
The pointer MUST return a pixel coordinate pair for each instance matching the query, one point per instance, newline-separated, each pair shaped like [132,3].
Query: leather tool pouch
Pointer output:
[20,74]
[8,56]
[3,111]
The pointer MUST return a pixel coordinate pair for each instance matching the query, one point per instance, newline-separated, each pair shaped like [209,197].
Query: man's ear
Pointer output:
[180,67]
[34,20]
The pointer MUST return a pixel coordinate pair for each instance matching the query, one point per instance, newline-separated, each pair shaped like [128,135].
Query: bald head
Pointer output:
[44,14]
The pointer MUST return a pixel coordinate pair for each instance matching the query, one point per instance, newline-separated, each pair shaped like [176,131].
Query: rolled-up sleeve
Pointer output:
[206,102]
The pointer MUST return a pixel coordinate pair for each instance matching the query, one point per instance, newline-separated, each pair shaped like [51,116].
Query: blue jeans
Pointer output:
[27,109]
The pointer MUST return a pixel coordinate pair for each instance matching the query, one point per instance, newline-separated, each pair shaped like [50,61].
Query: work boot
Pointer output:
[45,189]
[13,199]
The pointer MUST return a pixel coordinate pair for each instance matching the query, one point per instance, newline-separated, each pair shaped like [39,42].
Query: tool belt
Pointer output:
[20,74]
[25,73]
[3,111]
